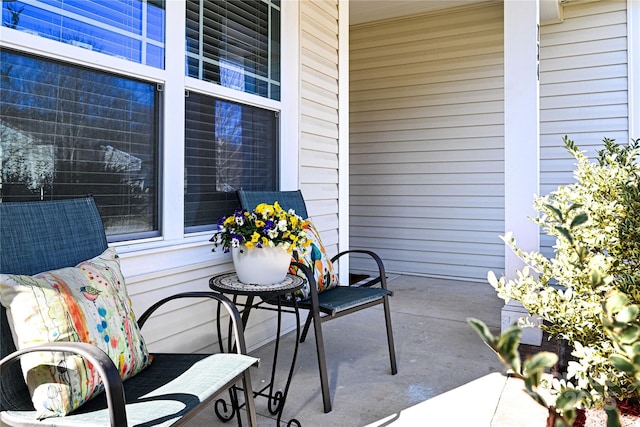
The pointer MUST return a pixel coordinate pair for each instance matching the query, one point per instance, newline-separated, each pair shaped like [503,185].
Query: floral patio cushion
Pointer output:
[87,303]
[318,262]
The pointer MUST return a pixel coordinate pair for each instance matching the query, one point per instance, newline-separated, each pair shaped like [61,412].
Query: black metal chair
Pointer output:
[335,302]
[43,236]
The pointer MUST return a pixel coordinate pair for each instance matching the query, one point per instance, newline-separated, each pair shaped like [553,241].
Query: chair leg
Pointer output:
[322,362]
[248,399]
[392,348]
[307,324]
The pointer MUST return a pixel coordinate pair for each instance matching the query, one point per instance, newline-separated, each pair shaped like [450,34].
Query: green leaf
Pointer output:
[613,418]
[596,278]
[582,252]
[627,314]
[630,335]
[568,399]
[564,232]
[481,328]
[616,302]
[556,211]
[621,363]
[540,361]
[579,220]
[537,397]
[570,415]
[507,347]
[575,206]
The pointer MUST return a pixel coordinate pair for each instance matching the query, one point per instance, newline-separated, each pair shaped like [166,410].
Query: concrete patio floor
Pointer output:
[446,375]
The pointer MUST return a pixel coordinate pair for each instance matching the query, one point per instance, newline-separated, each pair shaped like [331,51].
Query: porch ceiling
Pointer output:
[363,11]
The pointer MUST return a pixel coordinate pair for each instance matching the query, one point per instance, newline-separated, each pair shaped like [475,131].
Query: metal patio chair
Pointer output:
[335,302]
[42,236]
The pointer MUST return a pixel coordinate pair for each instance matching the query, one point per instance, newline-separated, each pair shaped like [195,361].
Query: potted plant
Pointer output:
[261,241]
[588,293]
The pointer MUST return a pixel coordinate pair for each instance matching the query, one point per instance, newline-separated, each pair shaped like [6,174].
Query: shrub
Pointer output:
[596,224]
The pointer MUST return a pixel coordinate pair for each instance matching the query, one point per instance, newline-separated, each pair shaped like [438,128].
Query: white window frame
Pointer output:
[172,143]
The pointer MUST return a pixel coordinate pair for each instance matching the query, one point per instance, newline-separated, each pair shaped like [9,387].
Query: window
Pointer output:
[68,131]
[243,33]
[130,29]
[228,146]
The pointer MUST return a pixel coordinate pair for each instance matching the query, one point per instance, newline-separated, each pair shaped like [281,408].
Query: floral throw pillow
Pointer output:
[87,303]
[318,262]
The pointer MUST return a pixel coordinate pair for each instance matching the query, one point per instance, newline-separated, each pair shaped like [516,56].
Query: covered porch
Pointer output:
[445,371]
[424,132]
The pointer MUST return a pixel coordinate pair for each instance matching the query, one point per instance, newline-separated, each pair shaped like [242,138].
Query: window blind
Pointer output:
[228,146]
[243,33]
[68,131]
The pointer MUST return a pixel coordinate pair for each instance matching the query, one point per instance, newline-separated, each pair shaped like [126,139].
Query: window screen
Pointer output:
[67,131]
[238,36]
[228,146]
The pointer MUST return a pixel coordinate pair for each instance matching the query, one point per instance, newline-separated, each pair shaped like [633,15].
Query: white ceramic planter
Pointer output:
[262,266]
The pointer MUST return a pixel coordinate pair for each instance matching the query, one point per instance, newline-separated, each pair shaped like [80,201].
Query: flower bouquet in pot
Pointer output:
[261,242]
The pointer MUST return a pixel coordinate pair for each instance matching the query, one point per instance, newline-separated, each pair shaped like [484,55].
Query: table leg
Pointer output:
[280,397]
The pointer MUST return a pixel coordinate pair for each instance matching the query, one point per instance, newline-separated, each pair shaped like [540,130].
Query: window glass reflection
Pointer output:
[129,29]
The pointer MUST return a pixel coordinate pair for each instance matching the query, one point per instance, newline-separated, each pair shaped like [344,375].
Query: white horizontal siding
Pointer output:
[184,325]
[426,142]
[583,88]
[319,124]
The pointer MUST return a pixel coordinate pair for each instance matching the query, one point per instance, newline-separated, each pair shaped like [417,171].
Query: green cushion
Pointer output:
[345,297]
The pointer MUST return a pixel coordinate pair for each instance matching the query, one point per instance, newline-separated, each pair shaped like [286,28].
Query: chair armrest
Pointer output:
[313,289]
[382,277]
[234,315]
[99,359]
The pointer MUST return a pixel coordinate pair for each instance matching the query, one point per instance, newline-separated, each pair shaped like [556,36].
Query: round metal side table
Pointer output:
[270,297]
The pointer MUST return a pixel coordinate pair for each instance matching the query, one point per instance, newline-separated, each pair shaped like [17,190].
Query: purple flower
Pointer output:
[236,240]
[220,223]
[239,218]
[268,225]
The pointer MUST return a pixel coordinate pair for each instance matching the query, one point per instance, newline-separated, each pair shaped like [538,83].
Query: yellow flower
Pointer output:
[249,227]
[264,210]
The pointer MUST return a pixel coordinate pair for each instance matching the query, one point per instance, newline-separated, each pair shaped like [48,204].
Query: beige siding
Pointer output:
[185,325]
[426,142]
[319,116]
[583,87]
